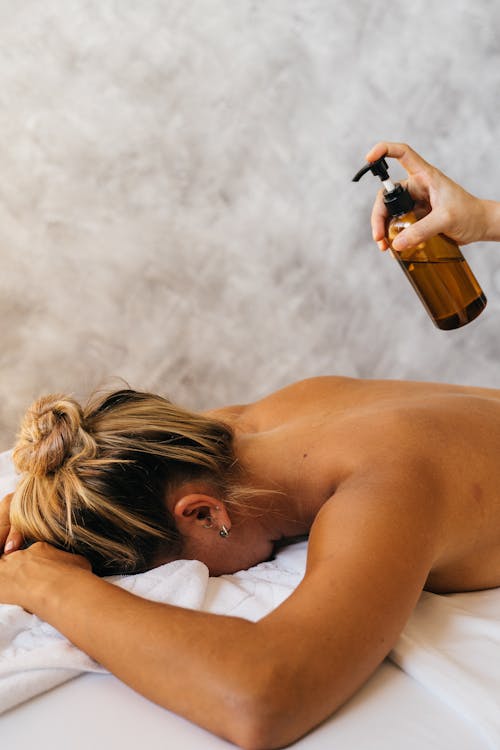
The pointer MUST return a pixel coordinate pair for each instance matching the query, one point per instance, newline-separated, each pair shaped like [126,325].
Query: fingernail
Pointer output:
[9,546]
[399,243]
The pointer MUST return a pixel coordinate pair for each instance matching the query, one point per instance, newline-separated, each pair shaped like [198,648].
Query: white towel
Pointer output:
[451,644]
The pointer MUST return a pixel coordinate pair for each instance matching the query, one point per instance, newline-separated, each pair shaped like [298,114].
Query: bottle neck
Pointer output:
[398,201]
[405,216]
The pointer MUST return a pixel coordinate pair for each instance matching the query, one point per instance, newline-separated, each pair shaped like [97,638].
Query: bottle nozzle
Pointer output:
[377,168]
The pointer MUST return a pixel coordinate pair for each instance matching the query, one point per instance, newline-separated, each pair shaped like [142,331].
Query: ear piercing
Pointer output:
[223,532]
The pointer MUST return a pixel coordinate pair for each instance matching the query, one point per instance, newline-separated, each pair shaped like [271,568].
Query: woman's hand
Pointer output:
[27,576]
[445,206]
[10,539]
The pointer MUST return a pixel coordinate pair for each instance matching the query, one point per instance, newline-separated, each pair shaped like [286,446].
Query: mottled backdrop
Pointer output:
[176,204]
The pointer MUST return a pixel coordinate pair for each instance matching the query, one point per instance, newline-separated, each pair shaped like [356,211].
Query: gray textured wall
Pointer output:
[175,197]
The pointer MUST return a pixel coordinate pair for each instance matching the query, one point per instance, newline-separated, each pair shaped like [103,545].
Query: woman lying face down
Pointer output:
[395,482]
[131,481]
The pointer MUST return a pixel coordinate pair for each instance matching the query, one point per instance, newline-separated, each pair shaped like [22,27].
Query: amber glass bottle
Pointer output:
[440,276]
[436,269]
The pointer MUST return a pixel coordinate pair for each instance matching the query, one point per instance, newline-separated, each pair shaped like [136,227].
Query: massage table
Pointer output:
[439,689]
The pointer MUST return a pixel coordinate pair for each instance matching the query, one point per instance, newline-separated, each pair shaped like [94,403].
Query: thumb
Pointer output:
[421,231]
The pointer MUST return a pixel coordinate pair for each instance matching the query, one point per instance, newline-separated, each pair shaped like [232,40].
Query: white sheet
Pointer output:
[451,644]
[391,712]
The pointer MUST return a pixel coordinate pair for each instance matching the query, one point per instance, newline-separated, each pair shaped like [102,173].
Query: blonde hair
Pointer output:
[94,479]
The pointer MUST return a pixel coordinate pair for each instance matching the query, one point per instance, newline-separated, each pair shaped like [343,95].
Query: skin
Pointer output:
[397,485]
[446,207]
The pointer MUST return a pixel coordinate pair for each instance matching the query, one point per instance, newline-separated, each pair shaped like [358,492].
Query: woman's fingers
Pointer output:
[412,162]
[420,231]
[407,157]
[4,519]
[378,220]
[13,542]
[10,539]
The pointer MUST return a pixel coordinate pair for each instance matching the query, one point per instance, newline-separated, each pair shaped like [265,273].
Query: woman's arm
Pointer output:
[492,220]
[264,684]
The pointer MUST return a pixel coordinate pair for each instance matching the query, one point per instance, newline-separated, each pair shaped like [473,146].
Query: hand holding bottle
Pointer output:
[431,261]
[445,207]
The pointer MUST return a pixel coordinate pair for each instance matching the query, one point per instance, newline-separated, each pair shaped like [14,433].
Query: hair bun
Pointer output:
[50,433]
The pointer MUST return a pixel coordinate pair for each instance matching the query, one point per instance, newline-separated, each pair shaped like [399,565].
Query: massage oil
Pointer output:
[436,268]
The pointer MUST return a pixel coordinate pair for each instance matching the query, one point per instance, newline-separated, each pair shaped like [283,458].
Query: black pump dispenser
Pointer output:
[377,168]
[435,268]
[397,198]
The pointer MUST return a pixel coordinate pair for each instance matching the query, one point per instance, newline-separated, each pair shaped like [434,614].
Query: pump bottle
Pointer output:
[436,268]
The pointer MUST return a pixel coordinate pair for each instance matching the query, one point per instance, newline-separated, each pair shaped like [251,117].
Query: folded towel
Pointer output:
[450,645]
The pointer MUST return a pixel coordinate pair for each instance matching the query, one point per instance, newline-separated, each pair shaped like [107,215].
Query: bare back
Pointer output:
[439,441]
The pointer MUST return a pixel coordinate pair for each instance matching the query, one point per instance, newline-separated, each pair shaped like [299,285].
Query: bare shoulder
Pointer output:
[307,387]
[280,404]
[382,506]
[292,398]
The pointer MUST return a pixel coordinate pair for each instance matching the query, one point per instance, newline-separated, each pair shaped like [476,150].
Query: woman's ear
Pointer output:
[195,511]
